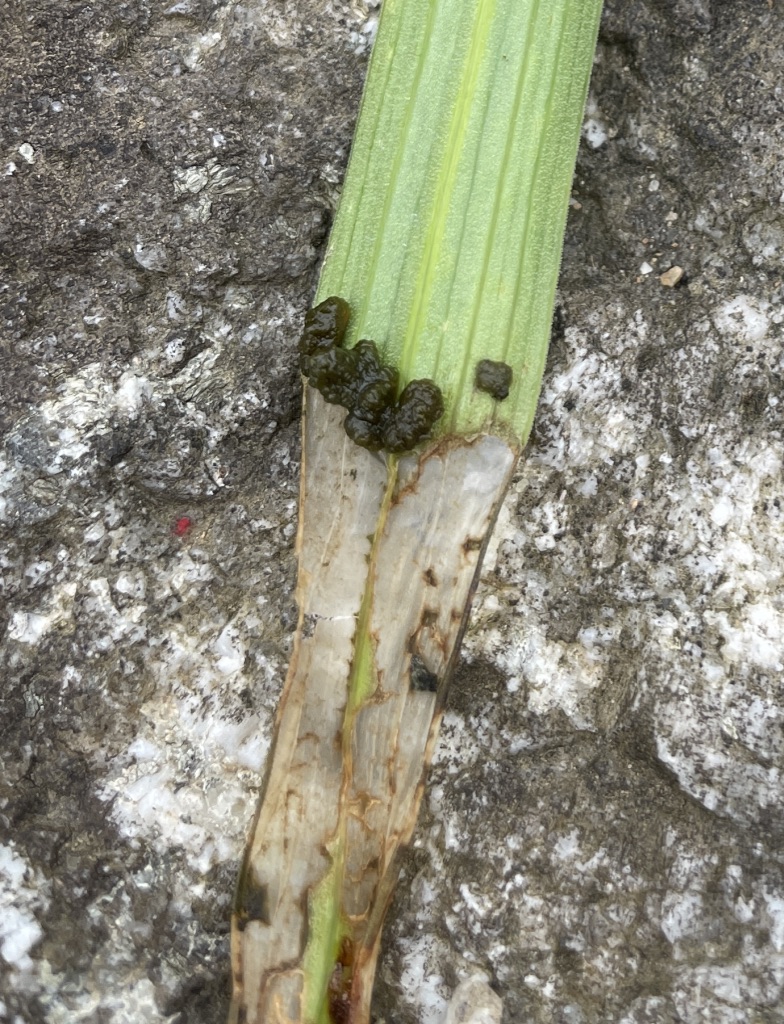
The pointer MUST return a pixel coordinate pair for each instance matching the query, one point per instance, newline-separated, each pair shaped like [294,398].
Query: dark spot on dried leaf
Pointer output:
[252,902]
[421,678]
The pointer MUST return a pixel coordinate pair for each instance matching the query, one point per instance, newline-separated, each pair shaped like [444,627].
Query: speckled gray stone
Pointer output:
[602,833]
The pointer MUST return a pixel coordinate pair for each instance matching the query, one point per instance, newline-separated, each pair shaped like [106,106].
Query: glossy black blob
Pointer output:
[364,433]
[325,327]
[401,426]
[417,410]
[333,373]
[378,394]
[358,380]
[493,378]
[354,378]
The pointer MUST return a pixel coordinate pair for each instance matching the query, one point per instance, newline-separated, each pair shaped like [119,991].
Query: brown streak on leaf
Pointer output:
[308,737]
[438,450]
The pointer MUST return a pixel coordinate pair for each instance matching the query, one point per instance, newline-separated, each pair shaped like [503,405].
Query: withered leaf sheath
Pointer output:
[378,419]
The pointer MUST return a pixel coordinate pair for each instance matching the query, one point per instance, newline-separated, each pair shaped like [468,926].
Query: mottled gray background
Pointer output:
[602,835]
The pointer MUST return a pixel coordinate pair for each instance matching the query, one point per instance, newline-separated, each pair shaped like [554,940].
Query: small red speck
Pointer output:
[181,527]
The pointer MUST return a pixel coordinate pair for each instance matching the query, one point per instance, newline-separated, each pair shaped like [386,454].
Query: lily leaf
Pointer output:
[446,247]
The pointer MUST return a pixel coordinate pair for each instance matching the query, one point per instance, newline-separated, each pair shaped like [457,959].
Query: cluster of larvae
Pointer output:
[378,417]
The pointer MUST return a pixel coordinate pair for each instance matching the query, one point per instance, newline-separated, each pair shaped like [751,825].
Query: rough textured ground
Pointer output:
[603,832]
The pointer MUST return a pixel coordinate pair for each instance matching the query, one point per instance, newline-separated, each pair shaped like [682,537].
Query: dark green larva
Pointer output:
[378,419]
[325,328]
[493,378]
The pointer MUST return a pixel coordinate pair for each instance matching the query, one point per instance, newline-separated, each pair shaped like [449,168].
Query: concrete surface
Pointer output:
[602,836]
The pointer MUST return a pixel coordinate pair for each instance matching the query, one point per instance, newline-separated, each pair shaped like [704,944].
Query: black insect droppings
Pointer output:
[422,679]
[252,902]
[378,418]
[493,378]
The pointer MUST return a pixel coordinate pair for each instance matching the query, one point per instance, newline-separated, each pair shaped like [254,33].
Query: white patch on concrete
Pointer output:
[189,777]
[22,893]
[68,425]
[774,908]
[130,1003]
[568,847]
[86,403]
[31,627]
[558,675]
[362,39]
[421,986]
[229,651]
[594,130]
[200,47]
[680,915]
[744,316]
[474,1002]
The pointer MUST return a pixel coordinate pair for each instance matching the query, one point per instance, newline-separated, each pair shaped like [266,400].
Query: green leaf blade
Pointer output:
[448,238]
